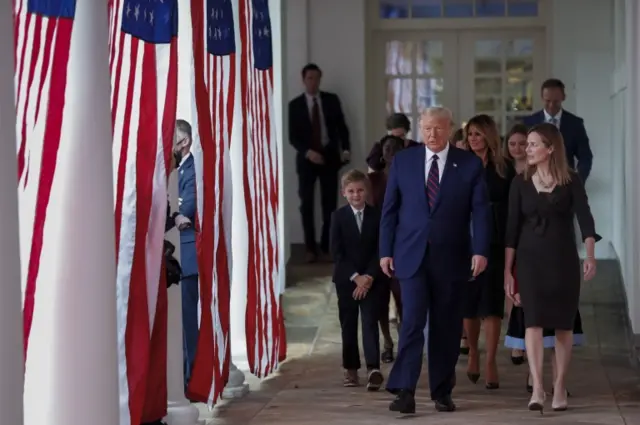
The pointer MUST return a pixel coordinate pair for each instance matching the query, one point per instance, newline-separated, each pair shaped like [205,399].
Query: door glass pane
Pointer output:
[512,120]
[491,8]
[399,58]
[399,95]
[488,103]
[394,9]
[429,93]
[522,8]
[519,94]
[519,56]
[488,56]
[426,8]
[458,8]
[429,60]
[488,86]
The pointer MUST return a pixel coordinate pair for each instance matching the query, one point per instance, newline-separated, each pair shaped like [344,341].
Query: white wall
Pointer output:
[330,33]
[582,56]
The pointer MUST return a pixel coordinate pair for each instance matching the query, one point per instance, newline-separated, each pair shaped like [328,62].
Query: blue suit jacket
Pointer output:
[576,141]
[408,225]
[187,207]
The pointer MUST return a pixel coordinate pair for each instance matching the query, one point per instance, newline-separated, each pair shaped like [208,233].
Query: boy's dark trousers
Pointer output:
[348,311]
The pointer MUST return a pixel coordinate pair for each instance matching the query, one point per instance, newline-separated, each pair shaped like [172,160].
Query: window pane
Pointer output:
[488,56]
[399,95]
[520,56]
[426,8]
[519,93]
[429,60]
[488,103]
[394,9]
[488,87]
[429,93]
[489,8]
[522,8]
[399,57]
[458,8]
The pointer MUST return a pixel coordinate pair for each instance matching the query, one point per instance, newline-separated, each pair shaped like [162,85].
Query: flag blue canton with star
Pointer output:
[221,35]
[262,49]
[153,21]
[53,8]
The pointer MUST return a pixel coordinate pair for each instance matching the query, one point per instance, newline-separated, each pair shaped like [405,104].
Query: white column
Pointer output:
[11,360]
[71,371]
[179,410]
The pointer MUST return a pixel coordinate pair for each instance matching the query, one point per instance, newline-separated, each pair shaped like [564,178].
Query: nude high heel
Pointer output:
[537,404]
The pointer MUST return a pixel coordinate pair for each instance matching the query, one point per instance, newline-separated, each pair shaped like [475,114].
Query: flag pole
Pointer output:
[72,369]
[11,358]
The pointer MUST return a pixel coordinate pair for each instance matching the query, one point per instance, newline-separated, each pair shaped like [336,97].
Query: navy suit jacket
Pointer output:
[576,141]
[187,207]
[407,224]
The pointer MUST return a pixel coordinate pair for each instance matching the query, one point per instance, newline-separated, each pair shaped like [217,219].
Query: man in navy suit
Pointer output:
[425,242]
[188,257]
[576,141]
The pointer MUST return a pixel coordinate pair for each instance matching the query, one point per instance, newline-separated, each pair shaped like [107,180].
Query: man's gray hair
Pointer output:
[183,129]
[438,112]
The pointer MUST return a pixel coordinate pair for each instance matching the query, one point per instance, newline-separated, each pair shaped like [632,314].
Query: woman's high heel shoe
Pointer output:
[561,407]
[537,404]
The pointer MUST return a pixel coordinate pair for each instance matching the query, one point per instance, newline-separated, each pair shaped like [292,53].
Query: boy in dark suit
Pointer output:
[354,247]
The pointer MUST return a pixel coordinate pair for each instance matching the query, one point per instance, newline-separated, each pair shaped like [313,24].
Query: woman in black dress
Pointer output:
[540,232]
[398,125]
[484,297]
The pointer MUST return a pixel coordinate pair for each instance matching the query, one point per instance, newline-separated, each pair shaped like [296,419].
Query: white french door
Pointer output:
[470,72]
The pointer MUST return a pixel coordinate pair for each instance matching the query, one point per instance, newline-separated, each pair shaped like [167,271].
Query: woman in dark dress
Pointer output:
[540,232]
[390,146]
[484,297]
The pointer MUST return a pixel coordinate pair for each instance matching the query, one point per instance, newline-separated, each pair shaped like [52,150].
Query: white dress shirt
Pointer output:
[355,216]
[323,124]
[548,118]
[442,160]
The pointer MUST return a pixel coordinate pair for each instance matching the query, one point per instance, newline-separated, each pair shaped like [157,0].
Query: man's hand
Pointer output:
[386,264]
[359,293]
[478,264]
[361,281]
[369,282]
[182,222]
[315,157]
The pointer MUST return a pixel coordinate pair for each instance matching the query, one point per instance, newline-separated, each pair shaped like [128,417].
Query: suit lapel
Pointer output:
[350,219]
[421,177]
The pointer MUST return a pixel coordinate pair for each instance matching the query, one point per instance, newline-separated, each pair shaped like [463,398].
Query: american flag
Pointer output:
[143,63]
[65,200]
[264,326]
[213,76]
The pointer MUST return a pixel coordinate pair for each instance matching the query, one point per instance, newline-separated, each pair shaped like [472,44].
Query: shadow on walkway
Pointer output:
[307,389]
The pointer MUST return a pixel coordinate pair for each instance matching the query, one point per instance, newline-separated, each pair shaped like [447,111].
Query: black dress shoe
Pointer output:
[445,404]
[404,403]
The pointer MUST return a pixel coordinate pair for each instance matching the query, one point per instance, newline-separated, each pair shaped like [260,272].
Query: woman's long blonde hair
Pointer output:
[487,126]
[558,165]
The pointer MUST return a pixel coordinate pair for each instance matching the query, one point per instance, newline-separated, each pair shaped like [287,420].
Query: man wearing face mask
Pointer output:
[184,220]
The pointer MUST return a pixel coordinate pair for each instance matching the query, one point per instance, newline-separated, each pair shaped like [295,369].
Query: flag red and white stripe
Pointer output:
[213,81]
[65,198]
[263,320]
[143,102]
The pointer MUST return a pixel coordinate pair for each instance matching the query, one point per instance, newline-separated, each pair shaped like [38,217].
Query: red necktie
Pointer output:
[433,182]
[316,127]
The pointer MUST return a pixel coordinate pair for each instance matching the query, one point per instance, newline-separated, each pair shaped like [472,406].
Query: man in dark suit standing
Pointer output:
[425,242]
[576,141]
[188,258]
[318,132]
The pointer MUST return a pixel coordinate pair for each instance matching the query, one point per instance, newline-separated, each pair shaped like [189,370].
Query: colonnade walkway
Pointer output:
[308,389]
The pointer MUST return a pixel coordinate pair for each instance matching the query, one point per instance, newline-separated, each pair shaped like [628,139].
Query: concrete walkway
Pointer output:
[605,387]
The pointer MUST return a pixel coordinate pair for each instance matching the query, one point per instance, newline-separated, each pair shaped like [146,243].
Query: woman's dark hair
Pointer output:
[458,136]
[398,141]
[398,120]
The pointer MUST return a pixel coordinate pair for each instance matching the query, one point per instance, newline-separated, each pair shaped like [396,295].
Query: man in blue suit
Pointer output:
[188,257]
[576,141]
[425,242]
